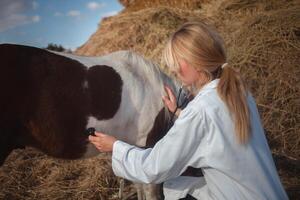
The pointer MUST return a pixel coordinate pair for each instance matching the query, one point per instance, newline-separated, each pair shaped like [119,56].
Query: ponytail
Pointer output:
[232,90]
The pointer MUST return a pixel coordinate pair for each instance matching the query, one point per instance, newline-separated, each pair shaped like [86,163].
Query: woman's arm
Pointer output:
[168,158]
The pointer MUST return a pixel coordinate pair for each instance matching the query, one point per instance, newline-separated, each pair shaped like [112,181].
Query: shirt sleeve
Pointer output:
[168,158]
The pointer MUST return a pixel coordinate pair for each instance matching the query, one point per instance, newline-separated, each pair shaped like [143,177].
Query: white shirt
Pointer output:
[203,136]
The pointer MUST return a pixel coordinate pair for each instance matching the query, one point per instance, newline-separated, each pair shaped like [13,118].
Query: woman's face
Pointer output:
[187,74]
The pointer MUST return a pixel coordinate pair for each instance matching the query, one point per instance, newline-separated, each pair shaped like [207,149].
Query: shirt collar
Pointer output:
[208,86]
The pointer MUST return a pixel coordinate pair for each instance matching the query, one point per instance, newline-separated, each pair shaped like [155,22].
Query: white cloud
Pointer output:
[12,13]
[58,14]
[110,13]
[36,18]
[12,21]
[94,5]
[35,5]
[74,13]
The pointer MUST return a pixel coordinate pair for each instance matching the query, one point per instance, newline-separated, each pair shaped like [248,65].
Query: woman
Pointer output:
[219,131]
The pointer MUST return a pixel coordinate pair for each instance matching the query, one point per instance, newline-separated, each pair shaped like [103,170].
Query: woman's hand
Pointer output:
[170,100]
[103,142]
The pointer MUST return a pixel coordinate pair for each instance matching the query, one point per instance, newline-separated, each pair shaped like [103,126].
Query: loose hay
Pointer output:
[30,174]
[263,42]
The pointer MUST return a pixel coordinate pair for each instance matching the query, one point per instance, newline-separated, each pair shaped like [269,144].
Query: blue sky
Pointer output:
[39,22]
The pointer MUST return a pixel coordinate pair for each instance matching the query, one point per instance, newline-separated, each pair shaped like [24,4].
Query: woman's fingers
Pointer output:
[170,94]
[96,141]
[102,141]
[100,134]
[92,138]
[97,138]
[170,100]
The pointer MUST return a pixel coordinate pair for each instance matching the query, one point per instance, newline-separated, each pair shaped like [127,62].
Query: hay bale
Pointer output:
[135,5]
[146,35]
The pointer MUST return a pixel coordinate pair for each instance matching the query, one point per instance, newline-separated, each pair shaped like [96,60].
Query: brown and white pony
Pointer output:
[50,99]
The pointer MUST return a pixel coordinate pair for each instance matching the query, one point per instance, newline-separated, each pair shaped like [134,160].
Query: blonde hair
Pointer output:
[199,45]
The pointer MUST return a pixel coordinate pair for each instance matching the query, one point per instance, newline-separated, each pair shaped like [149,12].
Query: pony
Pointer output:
[50,100]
